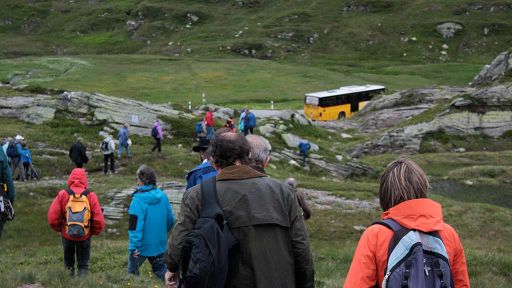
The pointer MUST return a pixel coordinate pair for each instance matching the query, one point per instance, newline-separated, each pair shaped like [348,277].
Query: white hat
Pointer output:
[19,137]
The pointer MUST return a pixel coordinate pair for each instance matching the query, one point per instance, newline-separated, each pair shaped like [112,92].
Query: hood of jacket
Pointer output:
[77,180]
[149,194]
[420,214]
[157,124]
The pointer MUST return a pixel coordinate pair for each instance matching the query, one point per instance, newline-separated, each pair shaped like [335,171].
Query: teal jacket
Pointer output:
[151,218]
[6,176]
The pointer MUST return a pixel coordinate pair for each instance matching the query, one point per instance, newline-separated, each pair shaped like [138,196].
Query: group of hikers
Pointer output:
[246,124]
[238,227]
[19,158]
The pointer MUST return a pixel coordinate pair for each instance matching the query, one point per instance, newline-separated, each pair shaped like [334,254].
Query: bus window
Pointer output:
[311,101]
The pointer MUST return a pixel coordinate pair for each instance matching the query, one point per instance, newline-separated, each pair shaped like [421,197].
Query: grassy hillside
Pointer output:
[322,31]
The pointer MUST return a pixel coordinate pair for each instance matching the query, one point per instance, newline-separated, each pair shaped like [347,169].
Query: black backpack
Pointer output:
[12,150]
[154,132]
[104,147]
[205,254]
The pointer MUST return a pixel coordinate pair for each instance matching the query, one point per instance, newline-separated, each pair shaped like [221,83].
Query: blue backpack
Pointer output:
[416,259]
[205,254]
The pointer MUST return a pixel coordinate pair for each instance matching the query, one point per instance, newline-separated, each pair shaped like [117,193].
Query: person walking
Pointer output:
[76,213]
[273,248]
[26,158]
[151,218]
[14,152]
[107,147]
[304,147]
[204,170]
[210,123]
[200,129]
[78,153]
[249,122]
[157,133]
[7,192]
[403,198]
[123,137]
[242,121]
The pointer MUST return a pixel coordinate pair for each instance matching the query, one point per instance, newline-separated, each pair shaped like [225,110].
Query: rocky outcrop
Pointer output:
[88,108]
[389,110]
[485,112]
[494,72]
[448,29]
[117,208]
[292,141]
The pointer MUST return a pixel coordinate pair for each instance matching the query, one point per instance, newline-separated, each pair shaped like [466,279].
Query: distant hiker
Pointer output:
[77,215]
[151,218]
[259,160]
[230,123]
[107,147]
[7,192]
[200,129]
[249,122]
[210,123]
[241,122]
[273,247]
[14,153]
[26,158]
[203,171]
[156,132]
[306,211]
[411,246]
[6,144]
[123,137]
[304,147]
[78,153]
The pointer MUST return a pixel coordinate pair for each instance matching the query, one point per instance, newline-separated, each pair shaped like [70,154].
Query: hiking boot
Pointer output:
[83,272]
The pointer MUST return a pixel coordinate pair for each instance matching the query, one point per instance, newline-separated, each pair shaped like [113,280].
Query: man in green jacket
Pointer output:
[264,215]
[7,186]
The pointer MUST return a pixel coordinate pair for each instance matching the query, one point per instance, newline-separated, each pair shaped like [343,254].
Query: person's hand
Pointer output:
[171,280]
[135,253]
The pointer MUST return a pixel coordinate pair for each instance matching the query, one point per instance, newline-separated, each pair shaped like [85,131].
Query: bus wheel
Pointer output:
[341,116]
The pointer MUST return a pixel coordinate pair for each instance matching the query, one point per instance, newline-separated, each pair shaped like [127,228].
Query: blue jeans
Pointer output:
[209,132]
[120,151]
[157,264]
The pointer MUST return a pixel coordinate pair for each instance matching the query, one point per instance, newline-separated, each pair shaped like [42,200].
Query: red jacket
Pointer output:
[369,262]
[77,181]
[209,118]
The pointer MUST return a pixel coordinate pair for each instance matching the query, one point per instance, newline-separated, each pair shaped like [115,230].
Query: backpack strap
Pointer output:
[209,199]
[72,193]
[399,232]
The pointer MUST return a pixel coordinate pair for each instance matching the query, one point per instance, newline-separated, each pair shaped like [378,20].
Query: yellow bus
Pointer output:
[339,103]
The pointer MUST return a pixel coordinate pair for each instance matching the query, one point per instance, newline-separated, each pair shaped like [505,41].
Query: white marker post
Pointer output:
[272,104]
[189,106]
[204,98]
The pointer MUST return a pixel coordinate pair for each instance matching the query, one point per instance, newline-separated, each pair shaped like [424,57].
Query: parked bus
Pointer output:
[339,103]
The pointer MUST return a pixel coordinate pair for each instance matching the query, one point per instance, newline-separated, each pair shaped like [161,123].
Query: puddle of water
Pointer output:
[499,195]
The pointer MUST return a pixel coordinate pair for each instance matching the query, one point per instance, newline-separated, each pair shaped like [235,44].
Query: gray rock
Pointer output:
[495,71]
[448,29]
[461,102]
[345,136]
[267,130]
[339,158]
[359,228]
[292,141]
[132,25]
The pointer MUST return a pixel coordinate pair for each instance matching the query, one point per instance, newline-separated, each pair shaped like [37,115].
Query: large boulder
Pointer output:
[448,29]
[495,71]
[292,141]
[34,109]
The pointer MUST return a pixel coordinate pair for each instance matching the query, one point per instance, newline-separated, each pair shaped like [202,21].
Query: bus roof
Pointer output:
[346,90]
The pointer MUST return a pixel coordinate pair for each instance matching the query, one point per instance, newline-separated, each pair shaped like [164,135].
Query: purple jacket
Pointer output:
[159,130]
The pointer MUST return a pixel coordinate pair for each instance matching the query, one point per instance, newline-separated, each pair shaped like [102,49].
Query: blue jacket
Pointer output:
[122,136]
[304,146]
[250,120]
[200,173]
[25,156]
[151,218]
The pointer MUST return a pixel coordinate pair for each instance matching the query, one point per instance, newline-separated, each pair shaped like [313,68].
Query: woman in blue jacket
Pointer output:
[151,218]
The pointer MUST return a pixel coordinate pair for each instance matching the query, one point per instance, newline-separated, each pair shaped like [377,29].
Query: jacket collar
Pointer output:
[238,172]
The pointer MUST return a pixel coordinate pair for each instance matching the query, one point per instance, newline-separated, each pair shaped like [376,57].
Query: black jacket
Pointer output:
[77,153]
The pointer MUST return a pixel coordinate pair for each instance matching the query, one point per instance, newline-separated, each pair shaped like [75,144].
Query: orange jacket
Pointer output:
[77,181]
[370,258]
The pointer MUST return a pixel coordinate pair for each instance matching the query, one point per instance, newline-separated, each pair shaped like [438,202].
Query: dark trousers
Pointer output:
[79,164]
[106,159]
[157,264]
[304,156]
[82,250]
[158,145]
[2,222]
[247,130]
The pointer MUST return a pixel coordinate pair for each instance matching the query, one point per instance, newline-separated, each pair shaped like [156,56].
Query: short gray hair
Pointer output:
[146,175]
[260,149]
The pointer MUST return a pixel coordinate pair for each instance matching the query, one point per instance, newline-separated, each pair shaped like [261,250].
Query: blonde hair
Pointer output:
[402,180]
